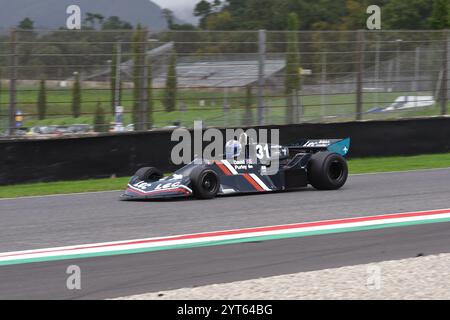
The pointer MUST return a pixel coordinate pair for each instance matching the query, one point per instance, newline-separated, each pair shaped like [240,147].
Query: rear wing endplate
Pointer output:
[339,146]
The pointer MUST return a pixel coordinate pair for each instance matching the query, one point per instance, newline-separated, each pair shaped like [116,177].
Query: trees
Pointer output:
[205,9]
[93,18]
[292,78]
[168,15]
[100,124]
[138,39]
[136,79]
[170,20]
[42,100]
[140,88]
[115,23]
[219,21]
[440,15]
[113,80]
[324,14]
[355,16]
[26,35]
[63,50]
[248,115]
[400,14]
[1,97]
[76,96]
[149,95]
[26,24]
[202,10]
[170,94]
[0,86]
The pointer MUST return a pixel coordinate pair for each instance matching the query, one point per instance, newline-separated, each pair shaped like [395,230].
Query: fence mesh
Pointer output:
[225,78]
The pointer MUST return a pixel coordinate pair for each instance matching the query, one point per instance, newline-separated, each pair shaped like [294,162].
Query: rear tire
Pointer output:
[205,182]
[149,174]
[327,171]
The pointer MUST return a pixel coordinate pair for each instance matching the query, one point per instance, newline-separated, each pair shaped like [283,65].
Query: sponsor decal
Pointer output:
[167,185]
[317,143]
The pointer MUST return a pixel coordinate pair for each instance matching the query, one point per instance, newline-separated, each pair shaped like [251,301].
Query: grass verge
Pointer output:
[386,164]
[62,187]
[363,165]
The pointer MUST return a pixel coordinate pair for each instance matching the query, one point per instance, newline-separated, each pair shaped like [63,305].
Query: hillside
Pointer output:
[52,13]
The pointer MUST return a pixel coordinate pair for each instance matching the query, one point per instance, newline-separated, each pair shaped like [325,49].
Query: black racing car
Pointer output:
[320,163]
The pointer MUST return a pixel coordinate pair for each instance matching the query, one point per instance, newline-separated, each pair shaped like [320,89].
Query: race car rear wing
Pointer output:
[339,146]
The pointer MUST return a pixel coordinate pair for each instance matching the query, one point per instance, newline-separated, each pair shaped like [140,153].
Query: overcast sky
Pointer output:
[182,8]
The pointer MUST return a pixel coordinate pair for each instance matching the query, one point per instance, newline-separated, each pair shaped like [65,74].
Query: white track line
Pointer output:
[192,239]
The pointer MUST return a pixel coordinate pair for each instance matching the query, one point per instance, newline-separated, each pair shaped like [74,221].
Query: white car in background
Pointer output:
[407,102]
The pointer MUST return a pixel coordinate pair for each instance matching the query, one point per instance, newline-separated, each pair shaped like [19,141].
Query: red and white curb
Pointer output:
[225,237]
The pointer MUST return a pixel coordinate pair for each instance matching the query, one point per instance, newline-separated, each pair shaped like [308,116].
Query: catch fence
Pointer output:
[224,78]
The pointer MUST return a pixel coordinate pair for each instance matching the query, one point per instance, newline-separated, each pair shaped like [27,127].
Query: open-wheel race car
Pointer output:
[318,162]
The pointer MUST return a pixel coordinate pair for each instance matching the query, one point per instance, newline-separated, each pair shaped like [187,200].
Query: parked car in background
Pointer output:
[80,128]
[407,102]
[38,130]
[21,131]
[60,129]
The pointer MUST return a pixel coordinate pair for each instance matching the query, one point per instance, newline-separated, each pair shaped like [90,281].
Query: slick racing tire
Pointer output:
[149,174]
[327,171]
[205,183]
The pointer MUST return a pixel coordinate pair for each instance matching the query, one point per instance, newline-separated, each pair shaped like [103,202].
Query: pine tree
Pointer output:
[248,116]
[292,78]
[113,81]
[440,14]
[170,94]
[76,96]
[135,48]
[0,87]
[149,96]
[100,124]
[138,62]
[1,111]
[42,100]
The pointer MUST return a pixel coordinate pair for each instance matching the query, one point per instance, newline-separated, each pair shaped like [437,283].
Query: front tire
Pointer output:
[327,171]
[149,174]
[205,182]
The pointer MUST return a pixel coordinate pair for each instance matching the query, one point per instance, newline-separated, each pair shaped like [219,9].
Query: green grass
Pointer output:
[62,187]
[363,165]
[429,161]
[212,113]
[59,106]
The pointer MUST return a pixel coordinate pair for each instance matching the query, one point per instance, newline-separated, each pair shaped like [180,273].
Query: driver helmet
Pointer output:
[232,149]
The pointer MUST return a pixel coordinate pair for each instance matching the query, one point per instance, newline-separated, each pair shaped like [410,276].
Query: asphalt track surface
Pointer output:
[31,223]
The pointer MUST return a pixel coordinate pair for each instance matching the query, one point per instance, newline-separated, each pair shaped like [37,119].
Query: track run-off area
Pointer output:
[135,247]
